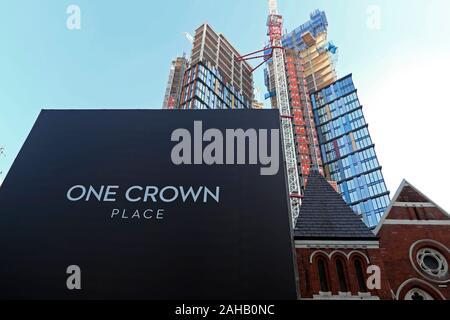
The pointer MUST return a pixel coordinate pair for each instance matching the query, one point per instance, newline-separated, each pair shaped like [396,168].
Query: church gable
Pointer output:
[410,207]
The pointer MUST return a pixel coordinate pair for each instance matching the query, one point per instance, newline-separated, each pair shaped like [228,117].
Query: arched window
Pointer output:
[341,275]
[360,275]
[321,266]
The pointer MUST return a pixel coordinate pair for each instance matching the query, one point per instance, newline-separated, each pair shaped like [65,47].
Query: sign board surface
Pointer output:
[100,190]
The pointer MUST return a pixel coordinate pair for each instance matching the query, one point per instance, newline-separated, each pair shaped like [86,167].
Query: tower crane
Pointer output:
[275,51]
[275,26]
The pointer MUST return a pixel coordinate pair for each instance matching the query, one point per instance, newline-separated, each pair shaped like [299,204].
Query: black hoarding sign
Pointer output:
[148,205]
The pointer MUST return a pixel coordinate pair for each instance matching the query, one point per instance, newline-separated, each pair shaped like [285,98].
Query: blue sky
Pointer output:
[120,59]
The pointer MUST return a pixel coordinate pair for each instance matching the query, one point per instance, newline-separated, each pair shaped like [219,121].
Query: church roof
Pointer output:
[324,215]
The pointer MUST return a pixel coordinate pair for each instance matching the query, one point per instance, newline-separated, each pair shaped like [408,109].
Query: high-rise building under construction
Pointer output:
[216,79]
[309,67]
[175,82]
[311,40]
[330,130]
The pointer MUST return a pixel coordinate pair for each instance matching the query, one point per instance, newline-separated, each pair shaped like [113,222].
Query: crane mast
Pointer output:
[275,32]
[275,51]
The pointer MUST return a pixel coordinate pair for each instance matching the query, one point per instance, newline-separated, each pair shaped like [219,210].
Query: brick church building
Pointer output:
[406,258]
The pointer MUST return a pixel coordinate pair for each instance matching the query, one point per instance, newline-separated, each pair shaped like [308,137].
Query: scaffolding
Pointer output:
[174,83]
[319,56]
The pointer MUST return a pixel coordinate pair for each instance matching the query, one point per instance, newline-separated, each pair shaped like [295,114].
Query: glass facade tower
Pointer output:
[347,149]
[204,87]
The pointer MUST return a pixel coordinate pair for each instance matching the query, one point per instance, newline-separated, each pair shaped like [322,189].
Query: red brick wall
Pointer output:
[423,214]
[396,242]
[309,278]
